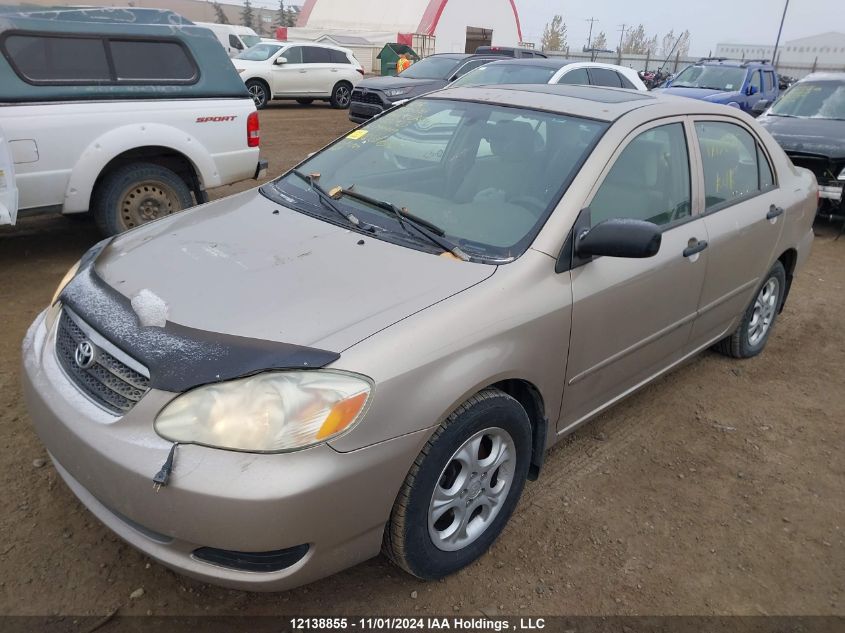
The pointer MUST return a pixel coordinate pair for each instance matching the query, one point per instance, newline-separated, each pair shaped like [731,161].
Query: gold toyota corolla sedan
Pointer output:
[373,352]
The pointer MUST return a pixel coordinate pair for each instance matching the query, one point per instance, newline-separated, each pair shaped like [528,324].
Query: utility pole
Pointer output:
[621,36]
[780,30]
[590,36]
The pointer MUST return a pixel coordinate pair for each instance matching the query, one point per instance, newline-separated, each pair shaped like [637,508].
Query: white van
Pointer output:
[8,189]
[234,37]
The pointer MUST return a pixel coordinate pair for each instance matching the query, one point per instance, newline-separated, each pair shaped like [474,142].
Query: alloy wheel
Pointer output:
[765,308]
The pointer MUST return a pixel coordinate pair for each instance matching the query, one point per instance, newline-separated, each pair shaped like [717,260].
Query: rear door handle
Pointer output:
[693,249]
[774,212]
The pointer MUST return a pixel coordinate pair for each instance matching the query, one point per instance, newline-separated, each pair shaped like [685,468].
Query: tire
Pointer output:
[138,193]
[749,339]
[417,535]
[259,92]
[341,96]
[305,101]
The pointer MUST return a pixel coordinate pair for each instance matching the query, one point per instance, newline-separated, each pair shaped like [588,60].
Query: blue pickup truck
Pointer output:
[750,85]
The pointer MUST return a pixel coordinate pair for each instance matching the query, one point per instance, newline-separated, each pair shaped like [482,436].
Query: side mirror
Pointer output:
[751,90]
[619,238]
[760,107]
[280,61]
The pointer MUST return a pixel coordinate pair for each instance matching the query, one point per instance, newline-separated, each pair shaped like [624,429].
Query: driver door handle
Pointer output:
[695,247]
[774,211]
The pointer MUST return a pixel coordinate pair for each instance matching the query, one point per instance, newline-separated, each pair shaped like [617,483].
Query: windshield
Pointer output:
[724,78]
[486,176]
[506,74]
[431,68]
[816,100]
[250,40]
[260,52]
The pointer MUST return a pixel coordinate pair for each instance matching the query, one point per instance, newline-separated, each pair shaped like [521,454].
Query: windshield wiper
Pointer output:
[327,201]
[788,116]
[430,231]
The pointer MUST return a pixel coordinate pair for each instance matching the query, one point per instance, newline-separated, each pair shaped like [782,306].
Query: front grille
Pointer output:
[109,382]
[366,97]
[825,170]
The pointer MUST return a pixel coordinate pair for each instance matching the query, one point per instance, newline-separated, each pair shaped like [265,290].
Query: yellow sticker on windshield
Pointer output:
[357,134]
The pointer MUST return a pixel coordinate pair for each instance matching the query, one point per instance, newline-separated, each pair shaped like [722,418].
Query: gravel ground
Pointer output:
[720,489]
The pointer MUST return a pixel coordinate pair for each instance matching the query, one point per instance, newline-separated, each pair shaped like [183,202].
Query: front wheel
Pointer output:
[462,488]
[259,93]
[341,96]
[138,193]
[753,332]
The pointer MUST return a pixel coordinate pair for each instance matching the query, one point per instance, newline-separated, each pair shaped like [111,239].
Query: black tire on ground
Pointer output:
[137,193]
[341,95]
[259,92]
[408,540]
[305,101]
[739,344]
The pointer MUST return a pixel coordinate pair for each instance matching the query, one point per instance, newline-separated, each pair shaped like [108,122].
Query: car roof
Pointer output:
[824,76]
[543,62]
[592,102]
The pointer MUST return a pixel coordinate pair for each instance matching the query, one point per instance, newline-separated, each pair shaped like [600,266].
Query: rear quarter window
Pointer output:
[338,57]
[605,77]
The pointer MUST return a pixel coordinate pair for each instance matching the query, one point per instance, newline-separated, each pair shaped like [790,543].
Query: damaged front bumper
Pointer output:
[309,513]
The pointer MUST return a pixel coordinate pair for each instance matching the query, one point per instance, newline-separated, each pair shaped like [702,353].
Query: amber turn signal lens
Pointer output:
[342,415]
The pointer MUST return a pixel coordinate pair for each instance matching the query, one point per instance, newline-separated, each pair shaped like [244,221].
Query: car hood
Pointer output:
[249,64]
[715,96]
[386,83]
[246,266]
[824,137]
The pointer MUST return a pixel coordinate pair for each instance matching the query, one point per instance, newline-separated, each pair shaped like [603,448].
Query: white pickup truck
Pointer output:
[130,121]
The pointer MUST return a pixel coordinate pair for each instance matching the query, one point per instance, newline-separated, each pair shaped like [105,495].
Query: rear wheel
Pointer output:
[462,488]
[138,193]
[753,332]
[305,101]
[259,92]
[341,96]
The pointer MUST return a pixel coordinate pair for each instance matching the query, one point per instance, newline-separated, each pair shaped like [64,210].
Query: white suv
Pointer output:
[303,71]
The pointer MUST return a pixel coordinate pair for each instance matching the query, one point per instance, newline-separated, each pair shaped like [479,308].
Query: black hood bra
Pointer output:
[179,357]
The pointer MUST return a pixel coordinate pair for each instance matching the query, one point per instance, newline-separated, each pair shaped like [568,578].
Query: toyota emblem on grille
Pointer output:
[85,354]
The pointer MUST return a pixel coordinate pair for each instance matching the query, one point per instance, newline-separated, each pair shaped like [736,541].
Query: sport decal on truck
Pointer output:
[215,119]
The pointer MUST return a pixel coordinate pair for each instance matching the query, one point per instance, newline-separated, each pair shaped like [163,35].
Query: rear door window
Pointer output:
[605,77]
[315,55]
[151,61]
[48,59]
[578,76]
[729,156]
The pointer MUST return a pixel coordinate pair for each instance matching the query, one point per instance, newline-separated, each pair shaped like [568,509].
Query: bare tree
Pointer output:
[220,14]
[600,41]
[554,35]
[247,15]
[637,42]
[672,44]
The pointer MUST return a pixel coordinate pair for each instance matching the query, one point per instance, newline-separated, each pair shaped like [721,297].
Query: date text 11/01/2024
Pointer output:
[429,623]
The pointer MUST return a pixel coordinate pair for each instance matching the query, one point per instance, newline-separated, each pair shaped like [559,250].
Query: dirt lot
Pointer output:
[718,490]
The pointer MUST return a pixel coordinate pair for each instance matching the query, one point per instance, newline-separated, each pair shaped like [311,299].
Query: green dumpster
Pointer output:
[389,55]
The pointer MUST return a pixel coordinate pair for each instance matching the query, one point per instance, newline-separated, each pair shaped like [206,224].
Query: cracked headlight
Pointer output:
[275,411]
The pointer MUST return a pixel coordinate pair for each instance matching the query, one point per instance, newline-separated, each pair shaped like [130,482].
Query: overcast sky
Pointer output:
[709,21]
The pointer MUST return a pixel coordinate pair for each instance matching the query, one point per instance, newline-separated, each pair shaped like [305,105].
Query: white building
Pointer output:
[457,25]
[824,50]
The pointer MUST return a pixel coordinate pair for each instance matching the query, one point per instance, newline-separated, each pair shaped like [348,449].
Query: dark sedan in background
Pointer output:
[377,94]
[808,121]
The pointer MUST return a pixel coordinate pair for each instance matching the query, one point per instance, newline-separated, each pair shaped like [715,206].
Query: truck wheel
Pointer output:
[138,193]
[462,488]
[259,93]
[305,101]
[341,96]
